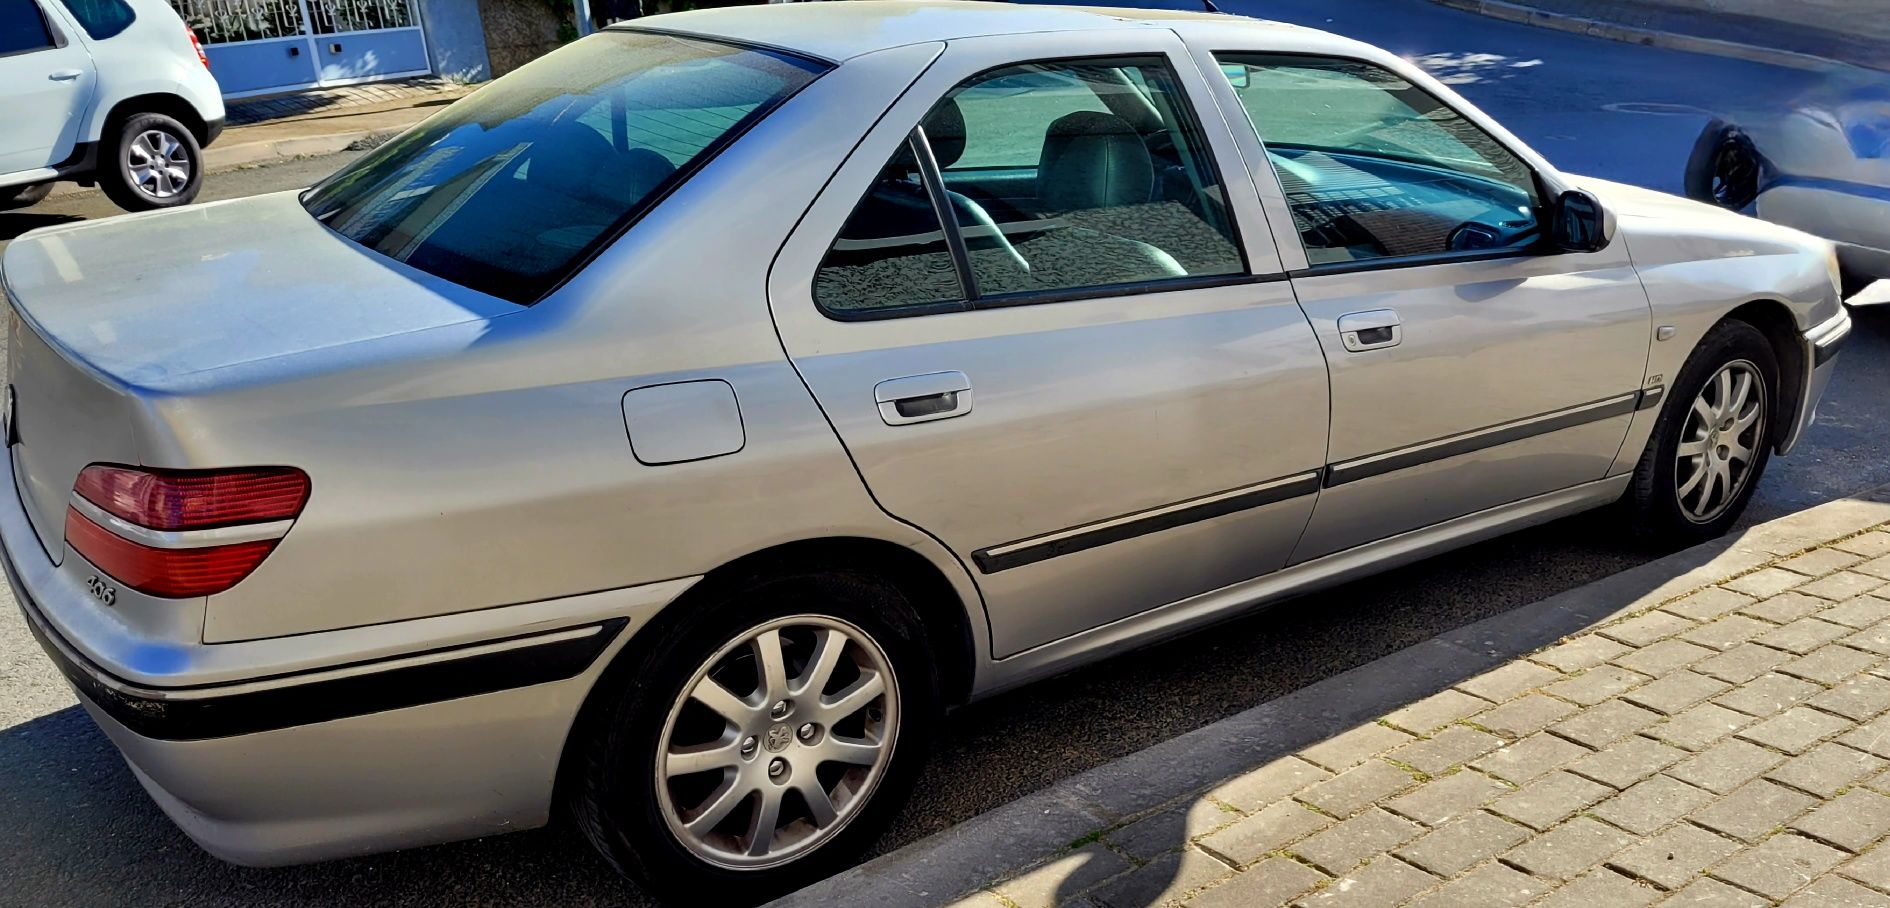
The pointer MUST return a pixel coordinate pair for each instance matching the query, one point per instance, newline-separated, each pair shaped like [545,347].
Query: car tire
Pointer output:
[639,805]
[131,174]
[1724,168]
[13,197]
[1671,502]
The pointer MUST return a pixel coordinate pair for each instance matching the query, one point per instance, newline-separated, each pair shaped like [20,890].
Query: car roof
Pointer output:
[848,28]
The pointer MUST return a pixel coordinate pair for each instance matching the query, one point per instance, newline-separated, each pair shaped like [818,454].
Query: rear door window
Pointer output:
[511,189]
[1061,179]
[22,28]
[101,19]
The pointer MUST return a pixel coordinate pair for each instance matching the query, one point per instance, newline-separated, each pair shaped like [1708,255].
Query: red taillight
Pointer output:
[180,501]
[197,46]
[194,499]
[165,573]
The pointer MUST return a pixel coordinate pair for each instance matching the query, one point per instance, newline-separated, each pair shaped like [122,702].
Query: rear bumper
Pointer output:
[301,787]
[295,762]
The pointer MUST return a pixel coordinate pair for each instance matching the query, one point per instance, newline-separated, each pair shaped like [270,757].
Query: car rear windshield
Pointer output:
[510,189]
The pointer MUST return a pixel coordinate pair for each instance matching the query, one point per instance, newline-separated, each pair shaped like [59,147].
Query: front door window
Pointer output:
[1375,167]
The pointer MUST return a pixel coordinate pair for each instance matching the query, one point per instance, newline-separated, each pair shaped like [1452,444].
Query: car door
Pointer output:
[1093,384]
[1473,365]
[47,80]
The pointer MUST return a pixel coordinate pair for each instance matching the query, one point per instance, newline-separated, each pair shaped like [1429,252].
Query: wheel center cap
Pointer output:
[778,738]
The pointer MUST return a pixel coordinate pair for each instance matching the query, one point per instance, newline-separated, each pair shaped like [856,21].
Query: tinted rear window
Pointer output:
[101,18]
[510,189]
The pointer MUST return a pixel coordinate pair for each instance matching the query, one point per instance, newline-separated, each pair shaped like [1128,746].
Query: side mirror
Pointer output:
[1578,222]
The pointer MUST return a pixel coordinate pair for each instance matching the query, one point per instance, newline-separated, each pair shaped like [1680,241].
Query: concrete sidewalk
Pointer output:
[1711,728]
[326,130]
[299,130]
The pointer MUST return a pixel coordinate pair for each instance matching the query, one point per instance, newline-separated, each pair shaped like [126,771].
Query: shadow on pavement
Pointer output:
[14,223]
[1321,710]
[82,832]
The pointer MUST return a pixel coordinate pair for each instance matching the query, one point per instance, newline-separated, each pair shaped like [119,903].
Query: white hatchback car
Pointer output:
[112,92]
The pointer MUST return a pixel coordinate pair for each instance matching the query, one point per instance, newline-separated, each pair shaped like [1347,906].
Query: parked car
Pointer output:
[1823,167]
[115,93]
[671,429]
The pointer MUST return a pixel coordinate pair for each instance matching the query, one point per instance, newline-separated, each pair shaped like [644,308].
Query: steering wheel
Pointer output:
[1471,236]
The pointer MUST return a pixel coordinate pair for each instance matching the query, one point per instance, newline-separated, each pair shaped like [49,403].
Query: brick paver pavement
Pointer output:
[1727,747]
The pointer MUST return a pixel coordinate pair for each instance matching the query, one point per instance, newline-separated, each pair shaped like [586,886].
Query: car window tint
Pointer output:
[892,251]
[508,190]
[1107,179]
[1059,176]
[1007,111]
[101,18]
[677,135]
[22,28]
[1375,167]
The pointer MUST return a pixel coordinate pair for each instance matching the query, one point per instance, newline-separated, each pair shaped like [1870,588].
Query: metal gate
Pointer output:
[262,46]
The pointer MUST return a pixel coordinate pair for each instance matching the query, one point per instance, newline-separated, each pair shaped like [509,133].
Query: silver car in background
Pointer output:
[671,429]
[1822,167]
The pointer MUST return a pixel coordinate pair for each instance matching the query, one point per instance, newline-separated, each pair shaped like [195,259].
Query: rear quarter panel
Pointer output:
[487,463]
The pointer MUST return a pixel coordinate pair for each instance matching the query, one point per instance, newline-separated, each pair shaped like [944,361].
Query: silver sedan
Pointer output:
[672,429]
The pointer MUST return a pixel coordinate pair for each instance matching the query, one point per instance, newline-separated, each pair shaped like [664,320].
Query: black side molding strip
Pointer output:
[997,558]
[1406,458]
[1651,397]
[172,719]
[1017,554]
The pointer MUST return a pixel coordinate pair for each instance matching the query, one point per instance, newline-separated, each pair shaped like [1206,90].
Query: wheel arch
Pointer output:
[170,105]
[1774,319]
[947,618]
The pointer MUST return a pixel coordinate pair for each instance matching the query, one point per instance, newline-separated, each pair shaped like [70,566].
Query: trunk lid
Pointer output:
[110,313]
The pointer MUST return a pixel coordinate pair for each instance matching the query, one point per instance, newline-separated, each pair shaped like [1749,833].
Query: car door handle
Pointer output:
[923,398]
[65,75]
[1370,330]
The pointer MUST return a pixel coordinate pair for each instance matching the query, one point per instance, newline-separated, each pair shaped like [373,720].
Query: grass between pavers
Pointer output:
[1415,773]
[1420,776]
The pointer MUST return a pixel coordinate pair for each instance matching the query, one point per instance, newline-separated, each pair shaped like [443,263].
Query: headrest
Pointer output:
[945,130]
[1093,159]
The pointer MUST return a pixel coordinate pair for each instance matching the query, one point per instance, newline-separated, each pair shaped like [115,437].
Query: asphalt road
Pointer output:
[78,831]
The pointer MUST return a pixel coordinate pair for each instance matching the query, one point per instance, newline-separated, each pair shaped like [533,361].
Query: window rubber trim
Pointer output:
[1038,297]
[948,224]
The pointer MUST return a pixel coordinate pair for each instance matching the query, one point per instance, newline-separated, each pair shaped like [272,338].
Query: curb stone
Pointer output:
[1612,31]
[1049,823]
[229,157]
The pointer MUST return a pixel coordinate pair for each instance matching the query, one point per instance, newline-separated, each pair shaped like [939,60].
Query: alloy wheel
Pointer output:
[159,163]
[1720,441]
[777,742]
